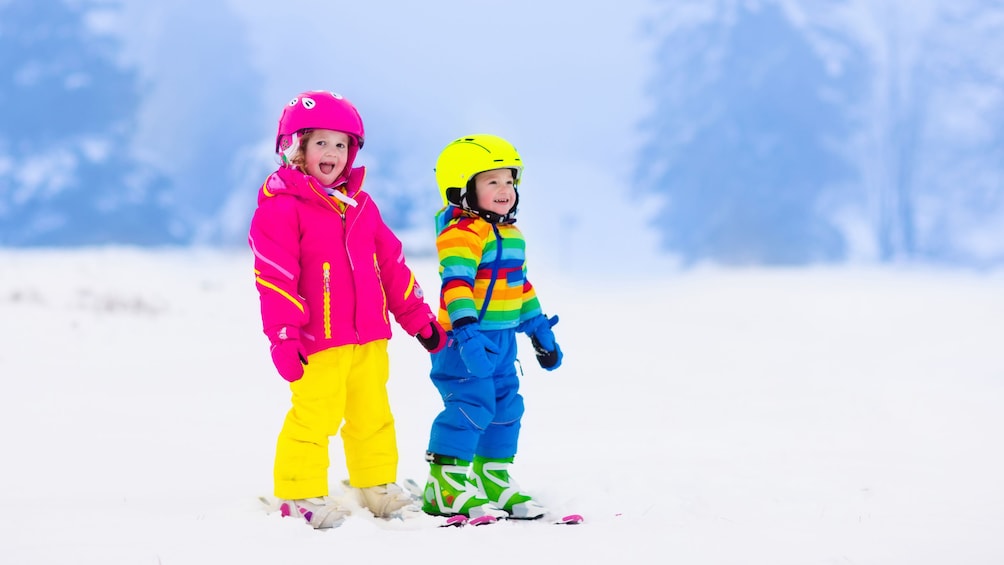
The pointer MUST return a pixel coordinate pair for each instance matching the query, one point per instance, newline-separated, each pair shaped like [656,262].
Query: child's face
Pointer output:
[324,154]
[495,190]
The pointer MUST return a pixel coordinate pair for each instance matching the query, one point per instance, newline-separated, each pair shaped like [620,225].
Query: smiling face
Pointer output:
[324,154]
[495,190]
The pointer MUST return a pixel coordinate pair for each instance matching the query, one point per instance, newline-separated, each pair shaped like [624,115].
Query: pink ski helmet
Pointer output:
[318,109]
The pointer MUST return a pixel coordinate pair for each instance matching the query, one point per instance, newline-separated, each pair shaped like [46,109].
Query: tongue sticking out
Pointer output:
[326,168]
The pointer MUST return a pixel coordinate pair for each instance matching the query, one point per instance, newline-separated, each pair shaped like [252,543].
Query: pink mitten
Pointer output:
[288,354]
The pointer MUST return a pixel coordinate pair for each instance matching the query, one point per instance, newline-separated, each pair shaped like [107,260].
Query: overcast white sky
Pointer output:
[565,85]
[545,75]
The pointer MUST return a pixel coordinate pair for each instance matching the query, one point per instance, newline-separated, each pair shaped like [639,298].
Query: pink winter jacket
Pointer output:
[333,275]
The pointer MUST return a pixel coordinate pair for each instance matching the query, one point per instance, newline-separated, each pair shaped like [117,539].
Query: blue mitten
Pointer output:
[477,351]
[547,350]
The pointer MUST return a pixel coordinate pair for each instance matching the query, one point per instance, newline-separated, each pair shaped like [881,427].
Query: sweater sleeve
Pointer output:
[460,249]
[274,240]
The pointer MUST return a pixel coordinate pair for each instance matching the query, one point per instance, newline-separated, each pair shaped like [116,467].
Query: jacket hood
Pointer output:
[449,214]
[291,182]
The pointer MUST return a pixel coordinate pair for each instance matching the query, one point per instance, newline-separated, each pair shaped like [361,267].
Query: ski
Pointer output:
[410,516]
[549,518]
[567,520]
[415,491]
[455,521]
[406,519]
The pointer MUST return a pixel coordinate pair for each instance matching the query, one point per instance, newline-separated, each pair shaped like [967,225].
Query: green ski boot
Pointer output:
[492,478]
[449,491]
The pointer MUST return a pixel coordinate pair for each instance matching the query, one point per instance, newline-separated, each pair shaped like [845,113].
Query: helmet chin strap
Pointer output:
[491,217]
[343,198]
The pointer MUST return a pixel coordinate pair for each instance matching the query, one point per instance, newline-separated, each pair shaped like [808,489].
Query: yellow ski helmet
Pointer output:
[463,159]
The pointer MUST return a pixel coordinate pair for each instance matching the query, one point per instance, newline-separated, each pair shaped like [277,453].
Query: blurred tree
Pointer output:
[66,114]
[941,143]
[745,138]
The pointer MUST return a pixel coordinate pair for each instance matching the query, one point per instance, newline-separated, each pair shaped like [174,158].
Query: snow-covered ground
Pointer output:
[823,416]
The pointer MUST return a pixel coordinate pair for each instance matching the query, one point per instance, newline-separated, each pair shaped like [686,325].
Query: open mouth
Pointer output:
[326,168]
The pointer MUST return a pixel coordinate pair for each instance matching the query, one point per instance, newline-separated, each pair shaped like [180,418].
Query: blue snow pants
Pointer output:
[480,415]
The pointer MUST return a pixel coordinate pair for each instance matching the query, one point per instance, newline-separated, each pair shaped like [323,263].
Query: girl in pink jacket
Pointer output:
[330,274]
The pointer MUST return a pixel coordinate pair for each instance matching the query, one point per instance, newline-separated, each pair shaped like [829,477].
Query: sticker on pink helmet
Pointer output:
[318,109]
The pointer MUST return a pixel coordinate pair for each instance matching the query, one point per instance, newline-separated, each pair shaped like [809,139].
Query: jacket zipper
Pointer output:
[495,273]
[352,269]
[327,299]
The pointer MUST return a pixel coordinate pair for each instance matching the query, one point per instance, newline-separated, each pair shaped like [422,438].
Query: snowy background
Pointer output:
[739,132]
[843,406]
[723,416]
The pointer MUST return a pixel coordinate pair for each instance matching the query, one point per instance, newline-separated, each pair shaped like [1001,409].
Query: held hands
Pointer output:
[539,329]
[477,351]
[432,337]
[288,354]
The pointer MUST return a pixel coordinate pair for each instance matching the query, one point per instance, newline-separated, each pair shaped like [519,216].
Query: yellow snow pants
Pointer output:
[342,383]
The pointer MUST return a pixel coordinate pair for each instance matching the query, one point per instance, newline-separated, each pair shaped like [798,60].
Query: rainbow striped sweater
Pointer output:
[483,271]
